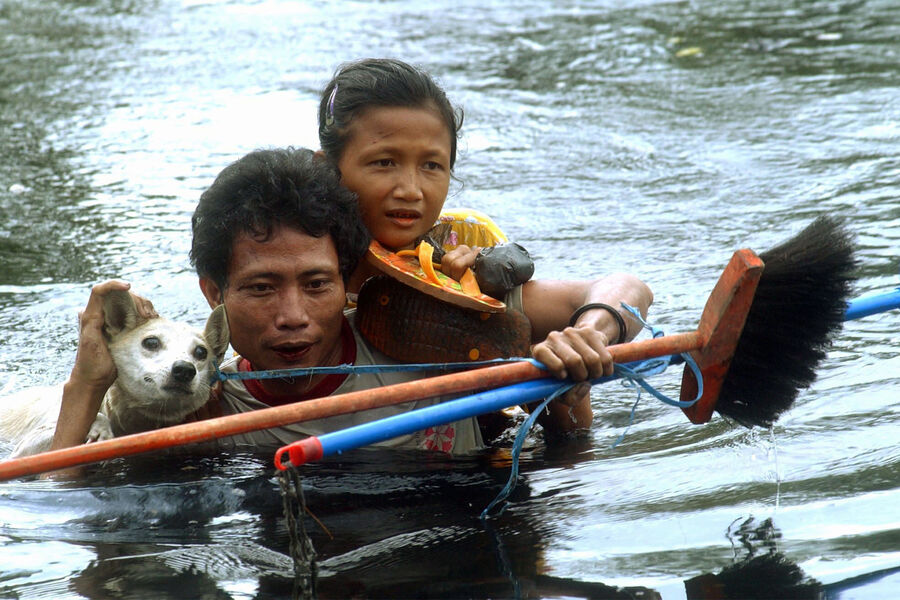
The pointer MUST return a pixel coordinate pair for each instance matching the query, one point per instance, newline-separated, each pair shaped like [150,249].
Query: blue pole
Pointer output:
[870,305]
[438,414]
[314,448]
[487,401]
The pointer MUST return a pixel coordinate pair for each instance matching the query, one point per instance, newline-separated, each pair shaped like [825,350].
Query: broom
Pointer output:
[766,326]
[799,304]
[818,261]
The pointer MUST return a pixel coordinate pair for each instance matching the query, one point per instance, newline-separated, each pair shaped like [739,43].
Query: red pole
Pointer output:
[717,336]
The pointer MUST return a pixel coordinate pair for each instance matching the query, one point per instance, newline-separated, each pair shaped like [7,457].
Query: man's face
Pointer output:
[285,300]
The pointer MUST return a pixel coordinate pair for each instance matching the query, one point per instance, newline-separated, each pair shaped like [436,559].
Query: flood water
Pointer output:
[654,137]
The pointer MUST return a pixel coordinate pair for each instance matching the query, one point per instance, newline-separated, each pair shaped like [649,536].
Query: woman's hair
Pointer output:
[381,82]
[275,188]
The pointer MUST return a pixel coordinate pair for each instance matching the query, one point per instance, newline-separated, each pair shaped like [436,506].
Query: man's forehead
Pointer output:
[284,244]
[283,234]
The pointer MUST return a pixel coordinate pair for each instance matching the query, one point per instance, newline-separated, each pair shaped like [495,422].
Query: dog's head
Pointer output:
[164,368]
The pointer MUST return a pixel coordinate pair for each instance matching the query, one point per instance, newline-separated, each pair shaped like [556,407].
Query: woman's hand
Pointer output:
[455,262]
[578,353]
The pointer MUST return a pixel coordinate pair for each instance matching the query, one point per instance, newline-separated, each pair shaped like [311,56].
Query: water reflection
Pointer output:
[385,524]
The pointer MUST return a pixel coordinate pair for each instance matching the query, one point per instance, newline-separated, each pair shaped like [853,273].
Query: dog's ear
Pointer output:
[120,313]
[217,334]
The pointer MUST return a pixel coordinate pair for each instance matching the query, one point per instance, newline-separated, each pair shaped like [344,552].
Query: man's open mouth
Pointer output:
[292,353]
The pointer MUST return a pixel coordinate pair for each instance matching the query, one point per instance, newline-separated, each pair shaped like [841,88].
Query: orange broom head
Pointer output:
[720,329]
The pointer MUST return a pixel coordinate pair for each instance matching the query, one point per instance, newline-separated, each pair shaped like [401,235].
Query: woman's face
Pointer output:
[397,160]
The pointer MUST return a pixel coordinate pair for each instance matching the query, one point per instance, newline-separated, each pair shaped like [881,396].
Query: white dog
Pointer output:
[164,370]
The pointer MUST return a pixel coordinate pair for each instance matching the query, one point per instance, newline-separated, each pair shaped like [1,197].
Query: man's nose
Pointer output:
[292,310]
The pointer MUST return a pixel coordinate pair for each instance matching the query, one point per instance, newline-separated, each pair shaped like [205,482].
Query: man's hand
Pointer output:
[93,364]
[94,371]
[578,353]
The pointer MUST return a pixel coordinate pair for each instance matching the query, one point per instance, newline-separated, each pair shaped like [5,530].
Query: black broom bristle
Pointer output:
[798,307]
[768,576]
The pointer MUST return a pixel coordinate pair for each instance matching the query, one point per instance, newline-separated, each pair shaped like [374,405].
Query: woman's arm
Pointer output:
[579,351]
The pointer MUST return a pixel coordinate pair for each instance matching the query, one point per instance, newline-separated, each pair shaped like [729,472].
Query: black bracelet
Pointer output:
[623,329]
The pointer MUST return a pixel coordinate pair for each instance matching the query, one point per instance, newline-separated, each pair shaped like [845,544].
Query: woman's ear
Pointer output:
[211,292]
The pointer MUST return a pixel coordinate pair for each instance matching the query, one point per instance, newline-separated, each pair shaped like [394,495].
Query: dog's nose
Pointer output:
[183,371]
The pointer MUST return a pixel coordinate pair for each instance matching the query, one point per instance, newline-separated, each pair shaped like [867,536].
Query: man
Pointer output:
[276,238]
[295,237]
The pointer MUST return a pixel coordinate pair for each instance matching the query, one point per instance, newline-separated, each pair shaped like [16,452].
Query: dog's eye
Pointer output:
[151,343]
[200,352]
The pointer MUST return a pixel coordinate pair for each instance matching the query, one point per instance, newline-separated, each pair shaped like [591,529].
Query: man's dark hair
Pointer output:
[267,189]
[382,82]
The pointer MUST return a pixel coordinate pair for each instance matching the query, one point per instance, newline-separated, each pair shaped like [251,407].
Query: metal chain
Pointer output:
[302,551]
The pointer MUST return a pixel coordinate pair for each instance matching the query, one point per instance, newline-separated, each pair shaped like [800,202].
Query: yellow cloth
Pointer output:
[470,227]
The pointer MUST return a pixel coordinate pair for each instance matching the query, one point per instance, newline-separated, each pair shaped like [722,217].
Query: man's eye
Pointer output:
[151,343]
[383,162]
[434,166]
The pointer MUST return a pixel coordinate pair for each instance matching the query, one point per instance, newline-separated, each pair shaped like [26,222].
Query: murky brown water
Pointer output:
[653,137]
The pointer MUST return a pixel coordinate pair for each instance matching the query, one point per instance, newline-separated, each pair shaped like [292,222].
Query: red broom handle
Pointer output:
[715,339]
[201,431]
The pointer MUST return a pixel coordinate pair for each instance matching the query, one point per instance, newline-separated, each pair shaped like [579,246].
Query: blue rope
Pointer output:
[348,369]
[632,377]
[654,366]
[517,450]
